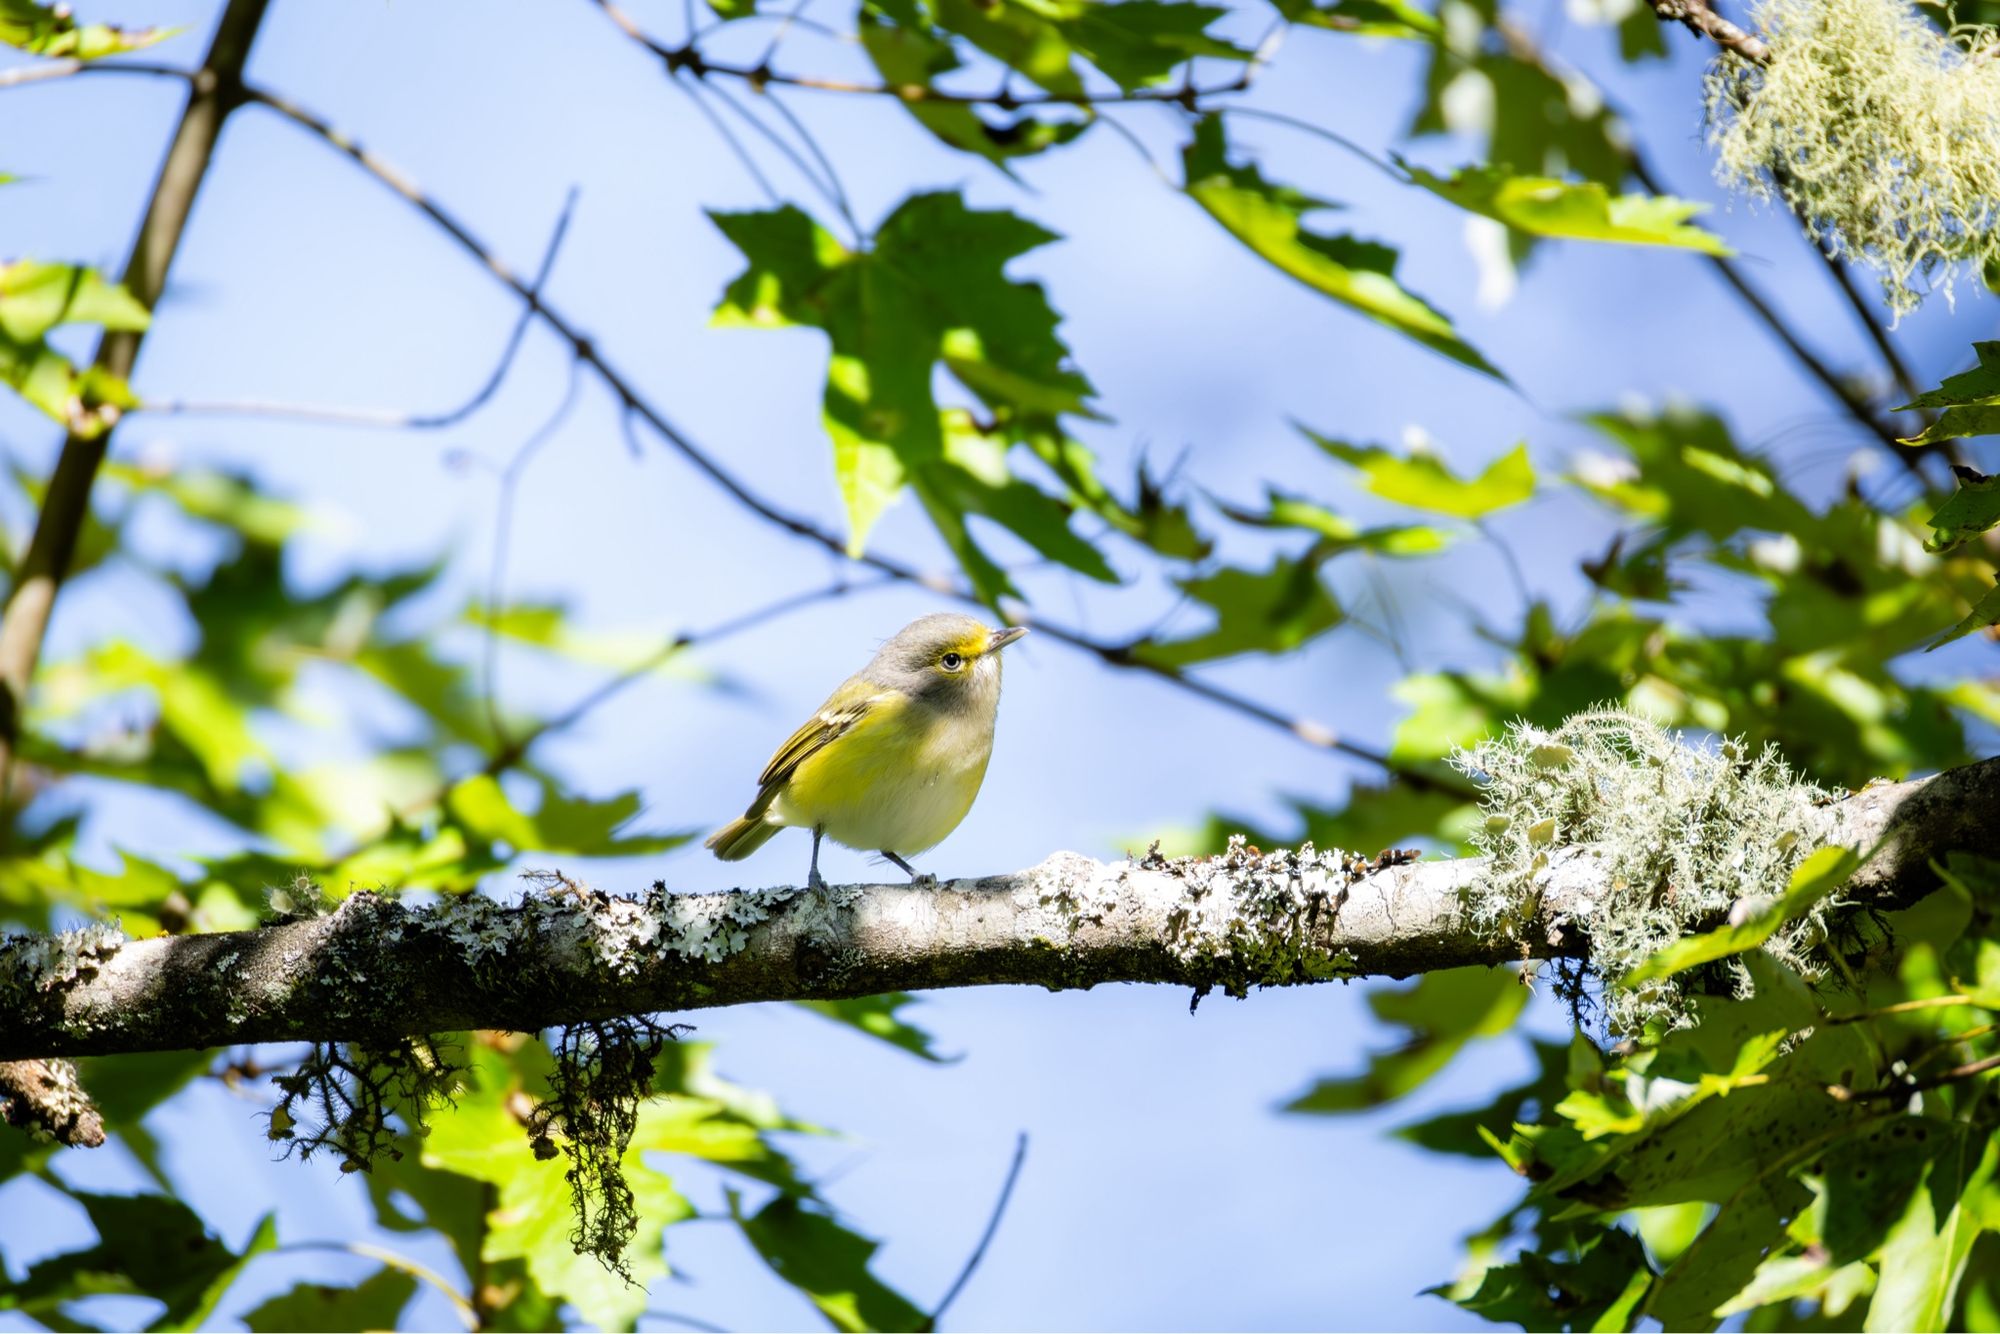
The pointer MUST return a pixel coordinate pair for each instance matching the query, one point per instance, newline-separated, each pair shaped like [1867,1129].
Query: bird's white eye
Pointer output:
[951,662]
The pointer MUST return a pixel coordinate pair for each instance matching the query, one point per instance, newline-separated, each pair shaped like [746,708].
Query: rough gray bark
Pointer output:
[377,968]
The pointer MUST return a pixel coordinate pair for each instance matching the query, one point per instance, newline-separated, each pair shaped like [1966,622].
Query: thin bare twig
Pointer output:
[685,1321]
[689,57]
[1906,1088]
[1703,21]
[512,752]
[1878,333]
[694,90]
[386,417]
[986,1237]
[840,199]
[1902,1007]
[829,188]
[503,531]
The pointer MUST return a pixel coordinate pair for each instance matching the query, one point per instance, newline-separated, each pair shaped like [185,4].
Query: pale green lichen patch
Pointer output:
[42,964]
[1064,894]
[571,925]
[1880,132]
[1684,834]
[1251,918]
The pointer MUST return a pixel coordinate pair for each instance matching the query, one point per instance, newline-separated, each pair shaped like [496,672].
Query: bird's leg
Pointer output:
[916,877]
[813,878]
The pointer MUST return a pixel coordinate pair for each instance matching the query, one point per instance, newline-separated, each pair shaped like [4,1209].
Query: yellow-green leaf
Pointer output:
[1270,220]
[1572,210]
[1816,877]
[1422,481]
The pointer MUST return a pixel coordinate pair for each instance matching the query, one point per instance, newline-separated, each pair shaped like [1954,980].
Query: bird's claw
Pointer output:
[815,881]
[923,880]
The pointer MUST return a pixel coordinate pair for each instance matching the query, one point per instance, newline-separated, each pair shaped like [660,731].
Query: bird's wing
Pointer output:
[835,719]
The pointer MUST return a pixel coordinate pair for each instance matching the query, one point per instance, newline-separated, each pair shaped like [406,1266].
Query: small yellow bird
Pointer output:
[893,759]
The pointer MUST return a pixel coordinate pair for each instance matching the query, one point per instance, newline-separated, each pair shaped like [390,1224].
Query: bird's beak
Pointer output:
[1002,638]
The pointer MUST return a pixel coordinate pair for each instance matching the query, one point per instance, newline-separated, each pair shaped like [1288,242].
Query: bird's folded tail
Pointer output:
[739,838]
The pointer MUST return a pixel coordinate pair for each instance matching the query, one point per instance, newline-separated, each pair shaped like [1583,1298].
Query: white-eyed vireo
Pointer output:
[892,760]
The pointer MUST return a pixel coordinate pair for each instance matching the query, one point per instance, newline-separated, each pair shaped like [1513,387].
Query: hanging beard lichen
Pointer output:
[1881,133]
[1686,834]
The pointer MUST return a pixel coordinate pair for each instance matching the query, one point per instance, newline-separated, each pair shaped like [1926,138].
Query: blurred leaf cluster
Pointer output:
[1797,1158]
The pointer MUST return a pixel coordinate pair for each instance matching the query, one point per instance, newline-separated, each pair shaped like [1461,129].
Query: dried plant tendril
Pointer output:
[1879,131]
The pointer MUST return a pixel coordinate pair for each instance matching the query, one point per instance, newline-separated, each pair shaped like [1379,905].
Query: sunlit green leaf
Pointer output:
[1422,481]
[532,1219]
[1966,404]
[1340,532]
[1141,42]
[913,57]
[932,290]
[1871,1176]
[1984,613]
[973,478]
[559,824]
[47,379]
[1571,210]
[1256,611]
[1725,1257]
[1598,1284]
[51,30]
[1817,877]
[1151,519]
[1270,220]
[1924,1257]
[1969,511]
[36,296]
[1365,18]
[1692,477]
[1503,93]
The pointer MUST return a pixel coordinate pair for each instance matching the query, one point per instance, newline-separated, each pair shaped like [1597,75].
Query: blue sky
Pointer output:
[1162,1189]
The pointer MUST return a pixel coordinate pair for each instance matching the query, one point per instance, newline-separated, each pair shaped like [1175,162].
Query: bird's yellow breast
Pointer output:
[899,780]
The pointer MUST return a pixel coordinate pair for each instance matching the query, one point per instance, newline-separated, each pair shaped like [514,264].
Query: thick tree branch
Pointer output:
[377,968]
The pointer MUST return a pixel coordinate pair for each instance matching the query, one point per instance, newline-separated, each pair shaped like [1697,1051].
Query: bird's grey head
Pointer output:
[946,660]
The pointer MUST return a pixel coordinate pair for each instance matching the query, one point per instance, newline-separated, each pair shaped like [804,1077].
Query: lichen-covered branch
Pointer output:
[1701,18]
[46,1099]
[376,969]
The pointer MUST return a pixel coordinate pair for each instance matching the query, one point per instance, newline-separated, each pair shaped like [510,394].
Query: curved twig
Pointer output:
[985,1237]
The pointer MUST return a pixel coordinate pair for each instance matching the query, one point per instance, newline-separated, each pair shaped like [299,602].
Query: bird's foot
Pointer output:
[920,879]
[815,881]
